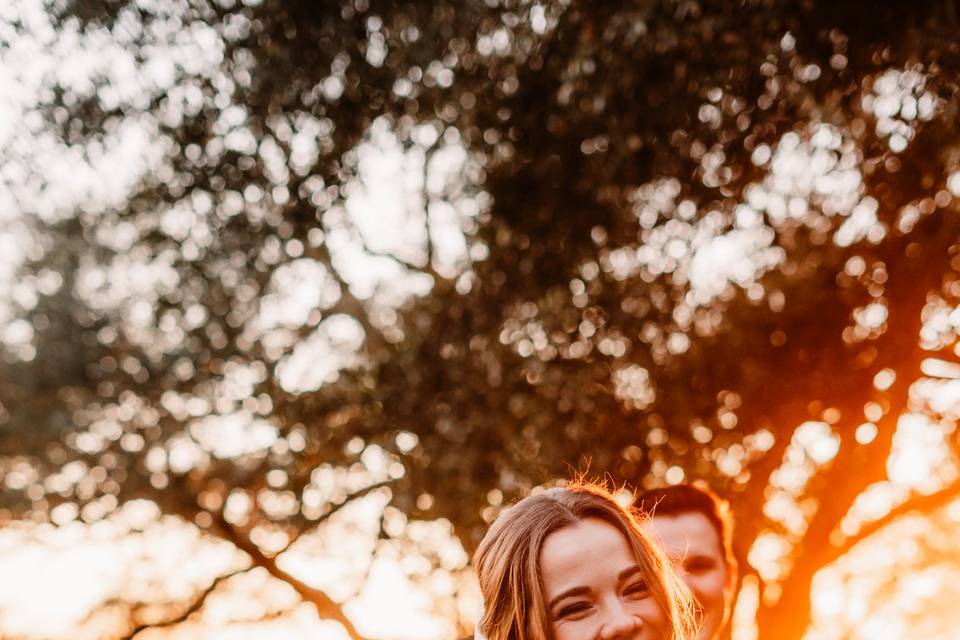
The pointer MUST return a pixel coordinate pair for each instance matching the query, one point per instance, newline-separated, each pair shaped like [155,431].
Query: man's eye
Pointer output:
[698,566]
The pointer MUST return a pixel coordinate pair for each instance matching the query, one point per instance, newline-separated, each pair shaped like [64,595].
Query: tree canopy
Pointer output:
[449,251]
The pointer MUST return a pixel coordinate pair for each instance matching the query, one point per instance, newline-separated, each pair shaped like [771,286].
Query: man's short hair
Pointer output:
[687,498]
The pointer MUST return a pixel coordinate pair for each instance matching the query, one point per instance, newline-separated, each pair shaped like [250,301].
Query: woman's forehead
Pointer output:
[583,554]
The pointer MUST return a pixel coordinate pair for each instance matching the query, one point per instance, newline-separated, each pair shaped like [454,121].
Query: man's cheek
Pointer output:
[707,589]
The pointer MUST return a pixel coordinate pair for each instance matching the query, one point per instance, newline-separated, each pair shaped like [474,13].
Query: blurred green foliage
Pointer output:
[687,228]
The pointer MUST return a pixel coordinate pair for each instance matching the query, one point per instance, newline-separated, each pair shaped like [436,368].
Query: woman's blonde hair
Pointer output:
[508,562]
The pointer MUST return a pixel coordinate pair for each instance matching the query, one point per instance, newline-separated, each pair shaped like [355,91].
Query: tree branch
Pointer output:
[194,606]
[325,605]
[426,203]
[333,510]
[920,503]
[348,303]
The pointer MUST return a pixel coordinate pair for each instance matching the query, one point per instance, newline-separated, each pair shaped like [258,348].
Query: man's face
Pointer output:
[691,542]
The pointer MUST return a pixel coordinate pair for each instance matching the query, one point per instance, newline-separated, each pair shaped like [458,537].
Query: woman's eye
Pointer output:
[573,610]
[637,588]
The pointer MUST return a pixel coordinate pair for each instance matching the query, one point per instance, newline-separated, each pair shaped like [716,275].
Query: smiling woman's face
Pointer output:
[593,587]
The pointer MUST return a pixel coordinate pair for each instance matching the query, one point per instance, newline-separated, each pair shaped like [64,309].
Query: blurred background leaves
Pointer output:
[268,262]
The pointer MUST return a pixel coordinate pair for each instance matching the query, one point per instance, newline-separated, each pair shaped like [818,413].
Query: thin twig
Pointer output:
[194,606]
[333,510]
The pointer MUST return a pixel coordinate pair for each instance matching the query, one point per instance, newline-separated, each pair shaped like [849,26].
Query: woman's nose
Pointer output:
[620,624]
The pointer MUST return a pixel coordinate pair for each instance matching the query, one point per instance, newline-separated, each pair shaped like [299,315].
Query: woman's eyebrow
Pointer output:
[569,593]
[629,572]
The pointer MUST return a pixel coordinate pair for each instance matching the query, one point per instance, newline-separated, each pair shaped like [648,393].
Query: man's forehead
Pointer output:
[685,534]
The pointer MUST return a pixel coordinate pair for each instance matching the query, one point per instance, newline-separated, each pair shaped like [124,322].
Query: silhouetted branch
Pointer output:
[325,605]
[919,504]
[198,602]
[426,204]
[333,511]
[348,303]
[427,268]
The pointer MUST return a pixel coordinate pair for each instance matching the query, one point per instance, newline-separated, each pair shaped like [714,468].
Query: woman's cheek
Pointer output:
[654,618]
[571,630]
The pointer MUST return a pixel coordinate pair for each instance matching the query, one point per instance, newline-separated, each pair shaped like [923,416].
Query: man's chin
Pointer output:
[708,631]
